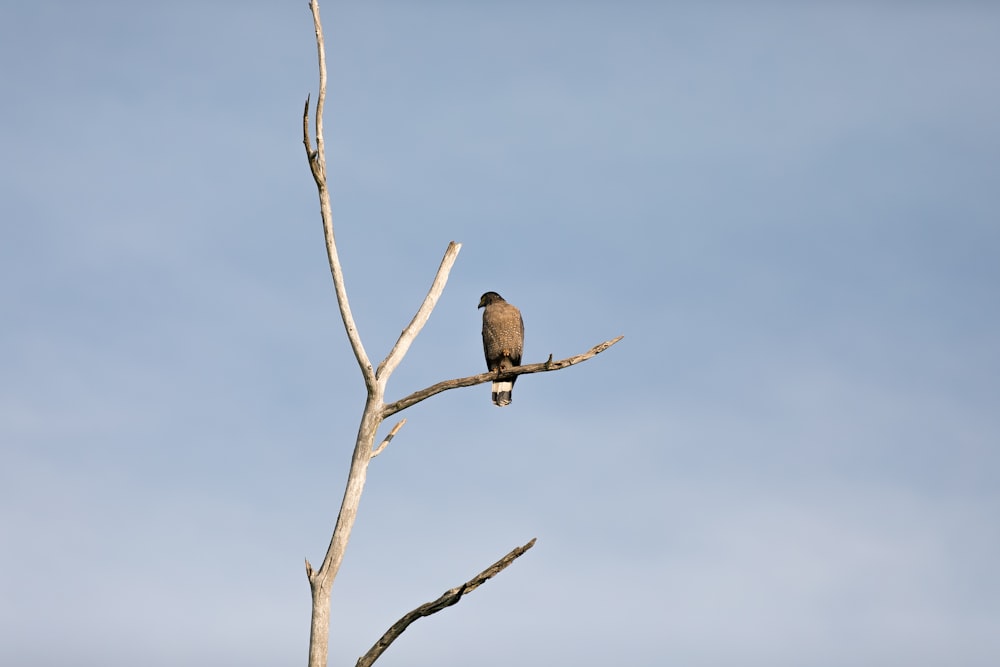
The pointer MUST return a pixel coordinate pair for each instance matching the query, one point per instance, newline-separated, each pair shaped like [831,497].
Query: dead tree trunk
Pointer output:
[376,410]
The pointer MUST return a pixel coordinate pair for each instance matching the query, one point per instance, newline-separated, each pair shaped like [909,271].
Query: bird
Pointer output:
[503,342]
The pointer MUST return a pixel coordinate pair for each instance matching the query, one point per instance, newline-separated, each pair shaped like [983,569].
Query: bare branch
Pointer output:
[549,365]
[306,139]
[317,163]
[447,599]
[411,331]
[321,99]
[388,438]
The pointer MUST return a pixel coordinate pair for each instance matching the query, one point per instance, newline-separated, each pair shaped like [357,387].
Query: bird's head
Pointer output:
[488,298]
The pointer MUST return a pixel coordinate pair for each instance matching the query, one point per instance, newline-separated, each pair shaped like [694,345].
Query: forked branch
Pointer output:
[447,599]
[417,396]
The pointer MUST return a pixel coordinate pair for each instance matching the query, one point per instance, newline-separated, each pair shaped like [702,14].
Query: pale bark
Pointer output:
[375,411]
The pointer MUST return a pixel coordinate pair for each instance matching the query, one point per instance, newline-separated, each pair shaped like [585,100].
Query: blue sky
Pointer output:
[791,210]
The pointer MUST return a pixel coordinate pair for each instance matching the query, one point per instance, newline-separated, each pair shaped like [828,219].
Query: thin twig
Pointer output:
[417,396]
[388,438]
[447,599]
[306,139]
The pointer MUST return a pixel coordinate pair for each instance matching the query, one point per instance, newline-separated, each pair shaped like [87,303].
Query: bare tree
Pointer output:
[376,410]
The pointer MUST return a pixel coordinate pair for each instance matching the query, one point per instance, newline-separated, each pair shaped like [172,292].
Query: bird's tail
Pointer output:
[501,392]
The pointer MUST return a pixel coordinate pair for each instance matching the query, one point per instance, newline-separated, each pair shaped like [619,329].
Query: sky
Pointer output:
[791,211]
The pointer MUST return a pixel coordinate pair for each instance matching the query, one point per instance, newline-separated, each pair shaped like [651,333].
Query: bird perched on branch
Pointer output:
[503,341]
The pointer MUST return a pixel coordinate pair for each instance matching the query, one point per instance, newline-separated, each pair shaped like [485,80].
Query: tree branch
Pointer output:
[417,396]
[447,599]
[317,164]
[411,331]
[321,99]
[306,139]
[385,442]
